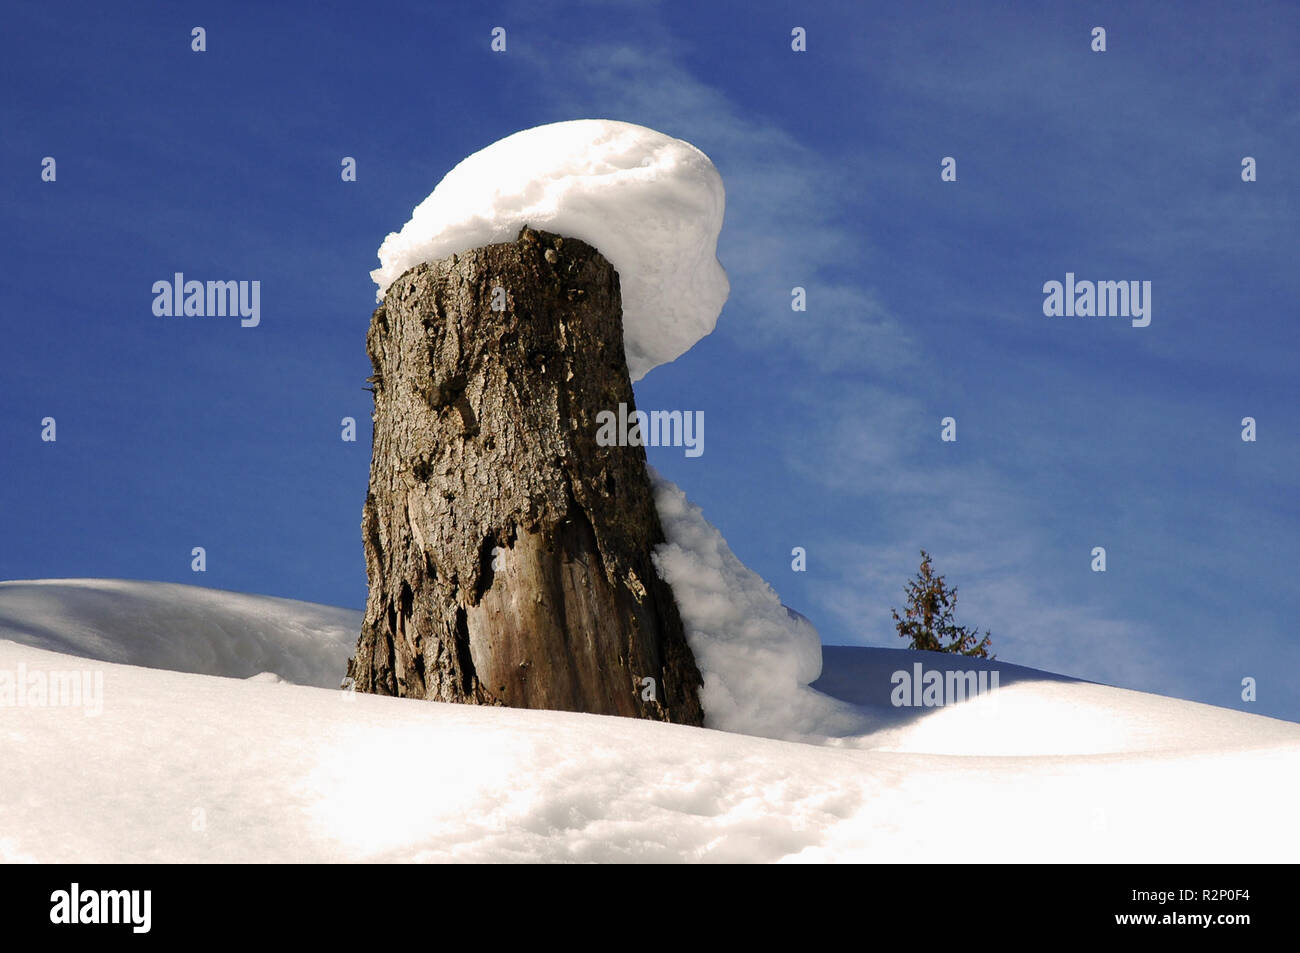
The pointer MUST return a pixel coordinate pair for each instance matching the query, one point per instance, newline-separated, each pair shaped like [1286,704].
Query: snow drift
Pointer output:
[757,658]
[183,767]
[181,628]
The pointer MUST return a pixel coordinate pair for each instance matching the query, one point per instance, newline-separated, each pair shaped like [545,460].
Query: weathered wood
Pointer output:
[508,554]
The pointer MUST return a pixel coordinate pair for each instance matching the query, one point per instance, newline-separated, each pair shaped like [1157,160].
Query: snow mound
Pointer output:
[182,628]
[188,768]
[171,767]
[1031,713]
[651,204]
[757,657]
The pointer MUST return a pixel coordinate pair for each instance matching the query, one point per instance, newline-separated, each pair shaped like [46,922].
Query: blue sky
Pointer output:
[924,298]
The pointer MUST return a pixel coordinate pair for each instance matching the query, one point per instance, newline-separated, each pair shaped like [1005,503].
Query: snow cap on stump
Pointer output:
[651,204]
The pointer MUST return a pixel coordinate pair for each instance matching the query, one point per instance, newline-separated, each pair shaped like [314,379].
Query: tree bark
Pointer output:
[508,554]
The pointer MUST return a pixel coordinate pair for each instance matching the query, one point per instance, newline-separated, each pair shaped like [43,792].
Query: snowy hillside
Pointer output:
[181,628]
[178,766]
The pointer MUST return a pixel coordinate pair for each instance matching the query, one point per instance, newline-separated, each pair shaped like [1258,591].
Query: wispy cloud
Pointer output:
[883,450]
[783,230]
[784,202]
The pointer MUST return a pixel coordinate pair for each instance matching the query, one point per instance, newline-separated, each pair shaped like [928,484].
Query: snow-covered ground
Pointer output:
[187,765]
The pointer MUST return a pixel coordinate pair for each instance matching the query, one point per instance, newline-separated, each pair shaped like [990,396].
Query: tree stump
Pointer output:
[508,554]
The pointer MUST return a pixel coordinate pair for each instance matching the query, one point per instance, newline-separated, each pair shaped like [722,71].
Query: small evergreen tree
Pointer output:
[928,619]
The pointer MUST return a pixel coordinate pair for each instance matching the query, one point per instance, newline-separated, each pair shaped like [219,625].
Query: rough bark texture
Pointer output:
[508,554]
